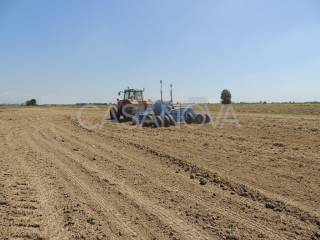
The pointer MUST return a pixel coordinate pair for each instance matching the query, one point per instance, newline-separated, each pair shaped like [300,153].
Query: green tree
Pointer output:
[226,97]
[31,102]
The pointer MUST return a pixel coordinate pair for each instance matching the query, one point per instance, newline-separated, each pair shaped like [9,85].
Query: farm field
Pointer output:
[59,180]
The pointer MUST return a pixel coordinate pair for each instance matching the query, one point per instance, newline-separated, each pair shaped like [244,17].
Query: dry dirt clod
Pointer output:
[316,236]
[232,237]
[281,145]
[203,181]
[270,205]
[91,221]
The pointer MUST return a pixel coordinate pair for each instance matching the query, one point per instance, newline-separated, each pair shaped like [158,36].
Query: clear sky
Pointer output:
[68,51]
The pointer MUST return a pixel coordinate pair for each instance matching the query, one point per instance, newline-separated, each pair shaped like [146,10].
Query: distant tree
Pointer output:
[31,102]
[226,97]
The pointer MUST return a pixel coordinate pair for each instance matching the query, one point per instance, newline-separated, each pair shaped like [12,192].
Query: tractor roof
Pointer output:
[133,90]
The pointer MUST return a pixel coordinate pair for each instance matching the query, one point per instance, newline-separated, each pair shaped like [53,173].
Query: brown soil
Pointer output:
[61,181]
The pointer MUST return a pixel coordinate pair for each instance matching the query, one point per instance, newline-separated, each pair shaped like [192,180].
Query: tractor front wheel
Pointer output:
[114,114]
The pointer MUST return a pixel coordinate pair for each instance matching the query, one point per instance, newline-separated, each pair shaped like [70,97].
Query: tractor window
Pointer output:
[126,96]
[138,95]
[131,95]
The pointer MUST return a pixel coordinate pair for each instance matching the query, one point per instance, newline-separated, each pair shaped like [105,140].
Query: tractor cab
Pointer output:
[132,94]
[130,103]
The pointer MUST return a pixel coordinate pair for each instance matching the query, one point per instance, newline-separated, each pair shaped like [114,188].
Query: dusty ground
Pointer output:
[60,181]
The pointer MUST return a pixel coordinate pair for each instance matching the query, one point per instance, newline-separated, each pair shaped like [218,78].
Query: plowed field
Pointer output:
[61,181]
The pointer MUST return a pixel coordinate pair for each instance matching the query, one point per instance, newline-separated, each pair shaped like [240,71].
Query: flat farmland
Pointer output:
[59,180]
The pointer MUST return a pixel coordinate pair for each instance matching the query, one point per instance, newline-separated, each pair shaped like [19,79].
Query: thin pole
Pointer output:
[171,100]
[161,90]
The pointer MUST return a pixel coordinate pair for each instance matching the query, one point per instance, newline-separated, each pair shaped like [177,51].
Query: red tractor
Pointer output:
[132,103]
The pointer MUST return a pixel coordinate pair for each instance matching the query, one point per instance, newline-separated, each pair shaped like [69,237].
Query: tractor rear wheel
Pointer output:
[199,119]
[189,118]
[135,121]
[128,112]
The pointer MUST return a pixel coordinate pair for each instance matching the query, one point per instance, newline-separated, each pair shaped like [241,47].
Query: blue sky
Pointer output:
[86,51]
